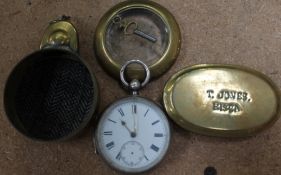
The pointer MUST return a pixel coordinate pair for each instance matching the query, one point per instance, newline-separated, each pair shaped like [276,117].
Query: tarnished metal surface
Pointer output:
[222,100]
[145,31]
[60,33]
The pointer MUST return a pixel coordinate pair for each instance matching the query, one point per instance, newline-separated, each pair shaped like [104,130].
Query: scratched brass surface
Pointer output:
[162,61]
[222,100]
[60,33]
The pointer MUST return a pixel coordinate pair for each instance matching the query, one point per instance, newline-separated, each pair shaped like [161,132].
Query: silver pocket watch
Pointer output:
[133,134]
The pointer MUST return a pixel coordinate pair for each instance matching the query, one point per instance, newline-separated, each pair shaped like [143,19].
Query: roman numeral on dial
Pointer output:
[121,112]
[158,135]
[154,148]
[110,145]
[107,133]
[146,112]
[146,158]
[118,157]
[153,123]
[134,109]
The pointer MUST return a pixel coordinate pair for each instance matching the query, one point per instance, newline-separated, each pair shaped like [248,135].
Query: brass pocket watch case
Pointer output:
[52,94]
[135,29]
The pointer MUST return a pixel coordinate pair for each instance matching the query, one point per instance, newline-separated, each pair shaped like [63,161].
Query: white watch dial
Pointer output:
[133,135]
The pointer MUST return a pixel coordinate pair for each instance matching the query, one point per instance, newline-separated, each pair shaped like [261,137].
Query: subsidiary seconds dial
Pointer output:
[133,135]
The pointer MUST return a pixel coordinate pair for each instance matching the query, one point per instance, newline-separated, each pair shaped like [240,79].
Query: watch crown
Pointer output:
[135,86]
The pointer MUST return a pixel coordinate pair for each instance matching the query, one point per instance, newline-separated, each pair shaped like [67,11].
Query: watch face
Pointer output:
[136,33]
[133,135]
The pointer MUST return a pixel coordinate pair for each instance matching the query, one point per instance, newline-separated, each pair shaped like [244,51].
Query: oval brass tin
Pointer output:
[222,100]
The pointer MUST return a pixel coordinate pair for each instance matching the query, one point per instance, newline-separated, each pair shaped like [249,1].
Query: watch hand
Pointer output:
[133,134]
[135,123]
[134,112]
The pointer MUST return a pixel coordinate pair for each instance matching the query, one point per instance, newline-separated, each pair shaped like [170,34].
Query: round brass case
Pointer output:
[52,94]
[222,100]
[162,60]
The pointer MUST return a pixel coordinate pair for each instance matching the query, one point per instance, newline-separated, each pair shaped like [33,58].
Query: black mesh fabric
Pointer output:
[53,98]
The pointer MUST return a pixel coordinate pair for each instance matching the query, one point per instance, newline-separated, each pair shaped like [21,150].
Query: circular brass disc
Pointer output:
[163,59]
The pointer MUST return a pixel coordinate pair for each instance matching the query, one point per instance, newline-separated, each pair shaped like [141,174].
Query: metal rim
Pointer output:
[157,68]
[123,68]
[10,112]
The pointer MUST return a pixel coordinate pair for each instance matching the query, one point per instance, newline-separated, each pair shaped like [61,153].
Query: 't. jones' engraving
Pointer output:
[233,96]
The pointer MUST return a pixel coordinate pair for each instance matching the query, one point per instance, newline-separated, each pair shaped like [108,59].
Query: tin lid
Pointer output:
[222,100]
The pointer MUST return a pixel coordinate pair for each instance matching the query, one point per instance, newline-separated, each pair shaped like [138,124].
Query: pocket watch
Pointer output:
[133,133]
[137,29]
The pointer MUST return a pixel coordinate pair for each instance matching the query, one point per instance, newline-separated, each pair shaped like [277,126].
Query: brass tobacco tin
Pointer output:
[222,100]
